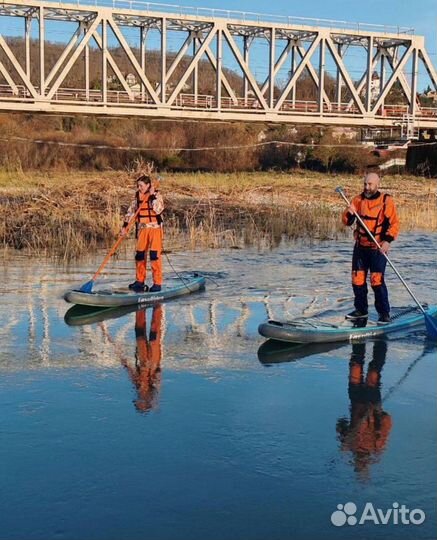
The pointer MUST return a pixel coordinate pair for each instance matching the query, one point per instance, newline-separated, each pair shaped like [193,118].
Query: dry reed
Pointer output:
[72,215]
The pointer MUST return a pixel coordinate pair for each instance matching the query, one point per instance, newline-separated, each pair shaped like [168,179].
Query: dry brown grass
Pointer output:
[73,213]
[59,216]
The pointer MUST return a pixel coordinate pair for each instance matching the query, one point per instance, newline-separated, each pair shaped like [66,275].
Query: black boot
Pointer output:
[155,288]
[137,286]
[356,314]
[384,318]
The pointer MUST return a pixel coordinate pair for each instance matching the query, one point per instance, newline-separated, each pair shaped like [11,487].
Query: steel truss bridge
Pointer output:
[289,49]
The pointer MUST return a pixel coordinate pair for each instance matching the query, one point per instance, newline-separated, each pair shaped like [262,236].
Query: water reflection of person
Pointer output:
[365,434]
[146,375]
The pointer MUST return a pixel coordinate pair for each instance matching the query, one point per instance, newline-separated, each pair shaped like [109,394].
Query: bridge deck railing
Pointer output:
[207,102]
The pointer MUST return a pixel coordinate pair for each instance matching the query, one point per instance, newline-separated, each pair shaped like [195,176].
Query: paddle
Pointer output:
[430,322]
[88,286]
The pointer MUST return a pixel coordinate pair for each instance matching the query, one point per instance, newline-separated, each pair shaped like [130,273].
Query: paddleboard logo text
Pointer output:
[144,300]
[397,514]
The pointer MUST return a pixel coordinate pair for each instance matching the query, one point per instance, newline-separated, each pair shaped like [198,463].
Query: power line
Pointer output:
[181,149]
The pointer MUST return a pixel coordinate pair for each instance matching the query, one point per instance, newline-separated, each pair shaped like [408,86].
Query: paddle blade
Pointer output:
[431,326]
[87,287]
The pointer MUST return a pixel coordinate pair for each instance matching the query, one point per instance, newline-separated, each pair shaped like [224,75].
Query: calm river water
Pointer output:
[177,423]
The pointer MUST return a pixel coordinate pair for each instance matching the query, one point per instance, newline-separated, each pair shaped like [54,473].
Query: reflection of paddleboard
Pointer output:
[315,330]
[275,352]
[182,284]
[79,315]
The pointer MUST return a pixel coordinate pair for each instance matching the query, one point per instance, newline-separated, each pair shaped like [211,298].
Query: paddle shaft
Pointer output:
[118,242]
[339,190]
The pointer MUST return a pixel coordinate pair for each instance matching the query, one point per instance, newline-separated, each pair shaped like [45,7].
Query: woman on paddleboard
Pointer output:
[149,233]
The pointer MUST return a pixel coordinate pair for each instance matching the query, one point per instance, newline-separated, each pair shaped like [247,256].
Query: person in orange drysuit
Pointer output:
[149,233]
[365,435]
[378,212]
[146,375]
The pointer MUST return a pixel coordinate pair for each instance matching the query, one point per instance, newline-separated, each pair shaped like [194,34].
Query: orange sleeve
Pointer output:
[393,219]
[348,218]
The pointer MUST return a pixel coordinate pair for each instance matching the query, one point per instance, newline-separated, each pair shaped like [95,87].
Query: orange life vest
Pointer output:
[379,214]
[147,214]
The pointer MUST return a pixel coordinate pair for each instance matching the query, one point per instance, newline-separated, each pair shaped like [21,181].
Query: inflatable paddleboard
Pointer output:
[317,330]
[117,296]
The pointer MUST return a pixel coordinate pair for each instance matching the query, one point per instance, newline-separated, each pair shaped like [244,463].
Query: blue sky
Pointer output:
[419,14]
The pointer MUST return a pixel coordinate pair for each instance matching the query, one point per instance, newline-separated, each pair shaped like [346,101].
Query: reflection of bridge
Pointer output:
[200,332]
[291,49]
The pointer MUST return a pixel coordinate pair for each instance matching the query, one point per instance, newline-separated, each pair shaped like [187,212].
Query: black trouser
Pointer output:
[363,260]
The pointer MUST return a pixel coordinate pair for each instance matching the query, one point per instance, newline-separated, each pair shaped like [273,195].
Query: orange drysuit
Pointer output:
[149,234]
[379,214]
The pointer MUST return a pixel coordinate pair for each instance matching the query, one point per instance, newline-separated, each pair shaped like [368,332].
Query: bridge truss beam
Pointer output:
[290,55]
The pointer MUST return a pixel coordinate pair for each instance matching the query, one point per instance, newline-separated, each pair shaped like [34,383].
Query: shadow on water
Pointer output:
[81,315]
[363,434]
[275,352]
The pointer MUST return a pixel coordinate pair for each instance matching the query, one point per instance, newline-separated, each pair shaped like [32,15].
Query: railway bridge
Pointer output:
[156,60]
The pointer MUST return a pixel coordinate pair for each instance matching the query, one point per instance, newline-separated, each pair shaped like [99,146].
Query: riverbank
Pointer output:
[69,214]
